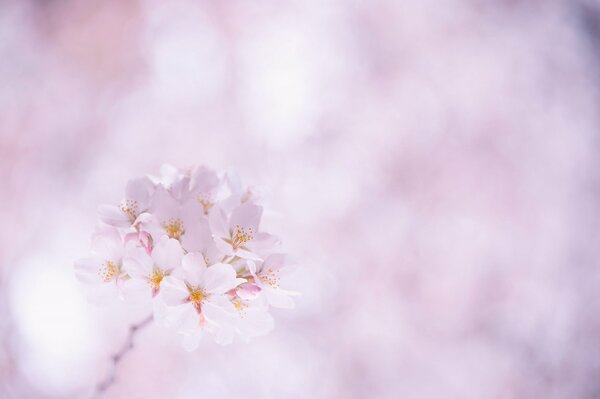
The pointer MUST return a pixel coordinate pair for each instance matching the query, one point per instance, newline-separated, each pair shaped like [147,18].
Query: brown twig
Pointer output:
[111,374]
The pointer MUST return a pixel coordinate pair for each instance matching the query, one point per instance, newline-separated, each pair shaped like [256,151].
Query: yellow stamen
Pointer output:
[197,296]
[109,271]
[174,228]
[270,277]
[155,278]
[130,208]
[240,236]
[205,201]
[240,305]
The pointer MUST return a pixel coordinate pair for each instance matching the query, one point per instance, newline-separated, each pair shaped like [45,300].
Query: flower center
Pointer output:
[240,305]
[130,208]
[270,277]
[241,236]
[174,228]
[154,280]
[205,201]
[109,271]
[196,297]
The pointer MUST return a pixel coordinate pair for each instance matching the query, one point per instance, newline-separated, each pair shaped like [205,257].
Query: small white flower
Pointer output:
[238,235]
[267,276]
[138,196]
[246,318]
[189,244]
[169,217]
[148,271]
[200,297]
[103,271]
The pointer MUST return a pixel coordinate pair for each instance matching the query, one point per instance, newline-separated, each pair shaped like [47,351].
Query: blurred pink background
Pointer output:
[434,166]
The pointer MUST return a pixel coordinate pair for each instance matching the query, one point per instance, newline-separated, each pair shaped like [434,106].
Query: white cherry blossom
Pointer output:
[138,194]
[239,235]
[188,245]
[201,294]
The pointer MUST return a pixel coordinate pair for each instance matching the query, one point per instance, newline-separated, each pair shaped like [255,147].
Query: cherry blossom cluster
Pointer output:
[189,245]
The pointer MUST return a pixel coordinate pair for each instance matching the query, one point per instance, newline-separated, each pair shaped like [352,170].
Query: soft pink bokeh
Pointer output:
[432,165]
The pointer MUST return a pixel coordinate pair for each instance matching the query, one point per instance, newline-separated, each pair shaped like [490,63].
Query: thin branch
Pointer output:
[111,374]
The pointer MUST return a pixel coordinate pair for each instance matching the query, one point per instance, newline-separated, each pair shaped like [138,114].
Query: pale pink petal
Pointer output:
[165,315]
[107,243]
[279,298]
[191,214]
[213,254]
[164,206]
[136,291]
[251,267]
[275,261]
[223,246]
[218,223]
[197,237]
[167,253]
[220,278]
[242,253]
[86,269]
[188,321]
[234,182]
[217,312]
[136,262]
[248,291]
[246,216]
[194,268]
[113,215]
[263,243]
[173,291]
[139,190]
[203,180]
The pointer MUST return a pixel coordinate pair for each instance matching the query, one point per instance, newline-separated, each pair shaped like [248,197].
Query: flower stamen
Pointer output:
[174,228]
[206,202]
[196,297]
[154,280]
[130,208]
[270,277]
[109,271]
[240,236]
[240,306]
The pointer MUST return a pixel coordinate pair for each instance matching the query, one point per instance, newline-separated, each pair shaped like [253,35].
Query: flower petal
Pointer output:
[248,291]
[263,243]
[113,216]
[223,246]
[247,216]
[218,311]
[136,291]
[203,180]
[194,268]
[279,298]
[167,253]
[219,223]
[107,243]
[220,278]
[197,237]
[173,291]
[140,190]
[86,269]
[136,262]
